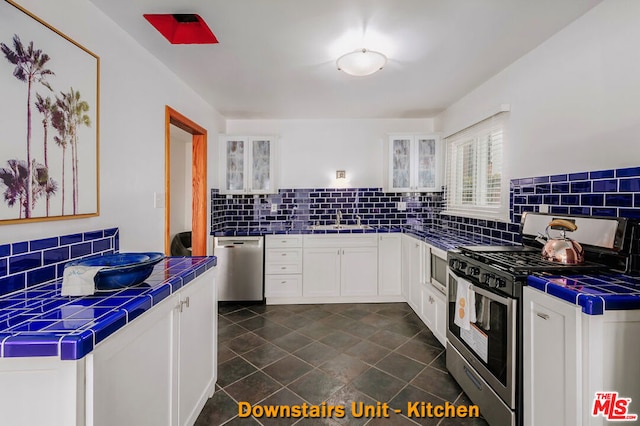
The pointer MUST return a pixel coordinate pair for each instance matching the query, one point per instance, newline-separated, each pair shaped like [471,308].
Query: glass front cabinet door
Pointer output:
[247,164]
[414,163]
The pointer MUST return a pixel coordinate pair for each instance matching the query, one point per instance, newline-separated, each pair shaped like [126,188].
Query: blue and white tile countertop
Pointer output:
[38,321]
[595,293]
[443,239]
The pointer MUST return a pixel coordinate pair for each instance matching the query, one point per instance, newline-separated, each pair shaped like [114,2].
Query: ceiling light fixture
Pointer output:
[361,62]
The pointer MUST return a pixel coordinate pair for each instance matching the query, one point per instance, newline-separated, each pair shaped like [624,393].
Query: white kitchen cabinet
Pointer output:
[412,263]
[569,356]
[135,368]
[358,271]
[248,164]
[414,162]
[433,300]
[340,265]
[434,312]
[390,264]
[425,300]
[159,369]
[165,361]
[551,362]
[321,272]
[197,354]
[283,266]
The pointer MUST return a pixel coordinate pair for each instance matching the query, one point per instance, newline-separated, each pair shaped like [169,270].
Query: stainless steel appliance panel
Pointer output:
[240,268]
[498,331]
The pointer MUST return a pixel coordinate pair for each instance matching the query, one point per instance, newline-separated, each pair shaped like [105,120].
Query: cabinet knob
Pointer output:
[283,267]
[284,254]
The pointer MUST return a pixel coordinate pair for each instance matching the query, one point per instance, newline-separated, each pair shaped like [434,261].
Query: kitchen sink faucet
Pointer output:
[338,217]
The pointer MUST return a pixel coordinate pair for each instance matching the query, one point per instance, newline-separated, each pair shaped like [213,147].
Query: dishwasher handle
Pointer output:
[231,243]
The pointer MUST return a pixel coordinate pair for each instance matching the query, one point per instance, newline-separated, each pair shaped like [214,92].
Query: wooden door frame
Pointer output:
[198,182]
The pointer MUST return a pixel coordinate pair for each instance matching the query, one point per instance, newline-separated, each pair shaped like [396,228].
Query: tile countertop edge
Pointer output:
[441,239]
[75,344]
[573,289]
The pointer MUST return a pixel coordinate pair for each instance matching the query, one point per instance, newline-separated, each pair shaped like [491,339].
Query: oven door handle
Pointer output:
[490,295]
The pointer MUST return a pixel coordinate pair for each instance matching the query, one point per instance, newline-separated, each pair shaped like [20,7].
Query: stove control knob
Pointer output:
[474,271]
[488,279]
[500,283]
[458,264]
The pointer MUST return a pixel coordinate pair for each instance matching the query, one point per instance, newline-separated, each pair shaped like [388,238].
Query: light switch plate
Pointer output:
[274,208]
[158,200]
[402,205]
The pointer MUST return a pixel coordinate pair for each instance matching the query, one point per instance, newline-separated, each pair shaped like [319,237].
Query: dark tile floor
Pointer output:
[338,354]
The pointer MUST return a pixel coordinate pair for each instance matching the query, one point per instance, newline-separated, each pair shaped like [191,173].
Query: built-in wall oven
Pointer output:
[484,353]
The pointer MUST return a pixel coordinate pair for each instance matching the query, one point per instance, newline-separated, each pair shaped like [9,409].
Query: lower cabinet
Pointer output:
[412,271]
[283,266]
[425,300]
[390,264]
[434,312]
[160,369]
[550,360]
[164,361]
[345,265]
[196,360]
[321,272]
[569,357]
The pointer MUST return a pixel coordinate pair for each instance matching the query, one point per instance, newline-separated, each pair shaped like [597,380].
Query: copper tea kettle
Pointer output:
[562,249]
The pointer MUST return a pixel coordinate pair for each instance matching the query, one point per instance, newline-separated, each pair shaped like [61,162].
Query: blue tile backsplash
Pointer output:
[614,192]
[299,208]
[27,263]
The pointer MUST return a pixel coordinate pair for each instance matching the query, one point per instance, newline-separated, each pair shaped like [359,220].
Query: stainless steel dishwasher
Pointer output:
[240,268]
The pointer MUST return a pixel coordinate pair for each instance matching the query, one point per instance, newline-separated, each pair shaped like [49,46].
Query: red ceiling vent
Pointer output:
[182,28]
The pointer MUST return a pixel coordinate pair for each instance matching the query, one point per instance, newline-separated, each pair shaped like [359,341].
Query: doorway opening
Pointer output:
[196,137]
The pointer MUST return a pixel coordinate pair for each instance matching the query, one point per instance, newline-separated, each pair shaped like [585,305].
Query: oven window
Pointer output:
[439,269]
[488,335]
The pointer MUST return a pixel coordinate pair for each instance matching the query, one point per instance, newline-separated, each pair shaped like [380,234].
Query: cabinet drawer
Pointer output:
[279,241]
[283,286]
[283,268]
[278,256]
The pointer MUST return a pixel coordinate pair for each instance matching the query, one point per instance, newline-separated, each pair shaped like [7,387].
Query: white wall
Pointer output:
[134,89]
[575,99]
[312,150]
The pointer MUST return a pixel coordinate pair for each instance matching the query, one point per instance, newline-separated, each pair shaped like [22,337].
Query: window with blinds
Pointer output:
[475,181]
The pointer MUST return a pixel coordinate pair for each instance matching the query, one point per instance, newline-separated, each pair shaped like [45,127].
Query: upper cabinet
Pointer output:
[414,163]
[248,164]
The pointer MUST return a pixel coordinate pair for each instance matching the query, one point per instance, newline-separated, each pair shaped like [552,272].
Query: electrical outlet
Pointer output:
[402,205]
[544,208]
[274,208]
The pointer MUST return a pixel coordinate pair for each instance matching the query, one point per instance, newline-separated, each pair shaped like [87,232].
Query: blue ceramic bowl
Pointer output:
[121,270]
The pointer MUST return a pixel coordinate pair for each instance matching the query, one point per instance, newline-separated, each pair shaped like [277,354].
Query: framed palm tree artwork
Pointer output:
[49,116]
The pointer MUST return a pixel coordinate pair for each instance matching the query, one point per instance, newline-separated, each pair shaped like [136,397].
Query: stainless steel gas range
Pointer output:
[484,309]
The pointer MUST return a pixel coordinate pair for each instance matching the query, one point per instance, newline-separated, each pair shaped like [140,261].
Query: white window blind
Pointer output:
[475,180]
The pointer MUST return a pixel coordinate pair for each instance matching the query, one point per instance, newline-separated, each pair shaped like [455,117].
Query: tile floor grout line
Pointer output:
[322,323]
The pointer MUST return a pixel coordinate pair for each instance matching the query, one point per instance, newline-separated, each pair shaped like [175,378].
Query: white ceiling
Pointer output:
[276,58]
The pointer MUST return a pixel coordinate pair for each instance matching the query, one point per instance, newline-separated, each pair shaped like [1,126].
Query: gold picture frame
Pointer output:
[49,116]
